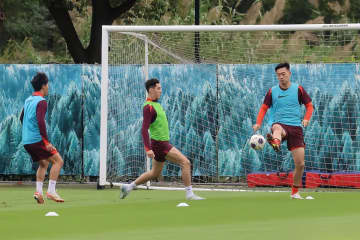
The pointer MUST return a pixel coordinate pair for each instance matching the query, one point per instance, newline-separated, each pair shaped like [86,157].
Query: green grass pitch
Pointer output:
[152,214]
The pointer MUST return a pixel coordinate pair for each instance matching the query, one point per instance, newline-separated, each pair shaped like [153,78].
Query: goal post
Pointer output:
[212,93]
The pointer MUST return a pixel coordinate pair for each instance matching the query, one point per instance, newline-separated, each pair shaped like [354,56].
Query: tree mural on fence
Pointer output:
[210,110]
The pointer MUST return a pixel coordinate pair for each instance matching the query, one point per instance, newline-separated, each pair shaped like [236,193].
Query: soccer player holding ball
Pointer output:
[157,146]
[35,140]
[285,101]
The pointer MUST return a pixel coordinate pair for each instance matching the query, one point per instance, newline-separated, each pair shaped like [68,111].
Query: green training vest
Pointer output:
[159,129]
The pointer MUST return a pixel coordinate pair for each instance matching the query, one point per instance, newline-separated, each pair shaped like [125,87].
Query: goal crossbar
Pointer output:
[232,28]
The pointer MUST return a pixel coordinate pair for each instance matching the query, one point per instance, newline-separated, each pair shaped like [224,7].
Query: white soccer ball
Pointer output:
[257,142]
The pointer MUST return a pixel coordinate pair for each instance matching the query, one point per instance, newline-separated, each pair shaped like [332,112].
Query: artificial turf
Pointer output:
[88,213]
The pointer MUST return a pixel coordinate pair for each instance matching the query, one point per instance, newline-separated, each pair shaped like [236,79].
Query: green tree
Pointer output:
[26,19]
[354,11]
[27,32]
[297,12]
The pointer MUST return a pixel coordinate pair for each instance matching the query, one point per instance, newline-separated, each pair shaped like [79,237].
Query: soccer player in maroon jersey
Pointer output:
[35,140]
[157,146]
[286,99]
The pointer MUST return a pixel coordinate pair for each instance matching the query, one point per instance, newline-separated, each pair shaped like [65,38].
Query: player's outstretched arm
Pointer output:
[260,117]
[40,116]
[309,110]
[148,116]
[305,99]
[263,109]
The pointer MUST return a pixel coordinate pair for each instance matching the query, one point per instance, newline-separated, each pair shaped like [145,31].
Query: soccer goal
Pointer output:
[214,80]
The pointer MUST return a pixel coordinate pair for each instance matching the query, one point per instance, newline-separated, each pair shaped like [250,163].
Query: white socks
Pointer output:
[189,191]
[51,188]
[132,185]
[39,187]
[190,195]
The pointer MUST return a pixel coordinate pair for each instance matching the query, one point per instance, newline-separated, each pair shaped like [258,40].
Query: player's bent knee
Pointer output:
[300,165]
[57,159]
[276,127]
[185,163]
[154,175]
[60,161]
[43,164]
[188,162]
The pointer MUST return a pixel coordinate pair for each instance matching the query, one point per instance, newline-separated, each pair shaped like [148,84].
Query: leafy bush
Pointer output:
[354,12]
[24,52]
[27,18]
[330,15]
[267,5]
[297,12]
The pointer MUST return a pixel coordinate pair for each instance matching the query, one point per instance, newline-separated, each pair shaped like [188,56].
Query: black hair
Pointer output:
[282,65]
[151,83]
[39,80]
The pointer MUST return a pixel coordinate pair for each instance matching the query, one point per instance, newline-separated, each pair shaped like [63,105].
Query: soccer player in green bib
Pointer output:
[157,146]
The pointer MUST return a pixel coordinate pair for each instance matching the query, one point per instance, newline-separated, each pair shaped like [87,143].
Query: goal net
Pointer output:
[214,80]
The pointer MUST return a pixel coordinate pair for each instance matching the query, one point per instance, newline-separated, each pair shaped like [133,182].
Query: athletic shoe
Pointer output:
[38,197]
[194,197]
[54,196]
[296,196]
[274,142]
[124,190]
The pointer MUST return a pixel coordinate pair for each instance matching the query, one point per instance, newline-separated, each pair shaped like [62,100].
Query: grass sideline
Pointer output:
[147,214]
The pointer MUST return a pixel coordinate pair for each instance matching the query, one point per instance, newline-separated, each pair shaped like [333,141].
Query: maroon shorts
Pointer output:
[160,149]
[38,151]
[294,136]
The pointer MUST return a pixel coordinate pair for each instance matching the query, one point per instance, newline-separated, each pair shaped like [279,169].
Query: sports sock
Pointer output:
[51,188]
[132,185]
[189,191]
[39,187]
[294,189]
[277,141]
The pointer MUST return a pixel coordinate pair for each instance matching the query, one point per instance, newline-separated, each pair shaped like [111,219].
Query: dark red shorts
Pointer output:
[38,151]
[294,136]
[160,149]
